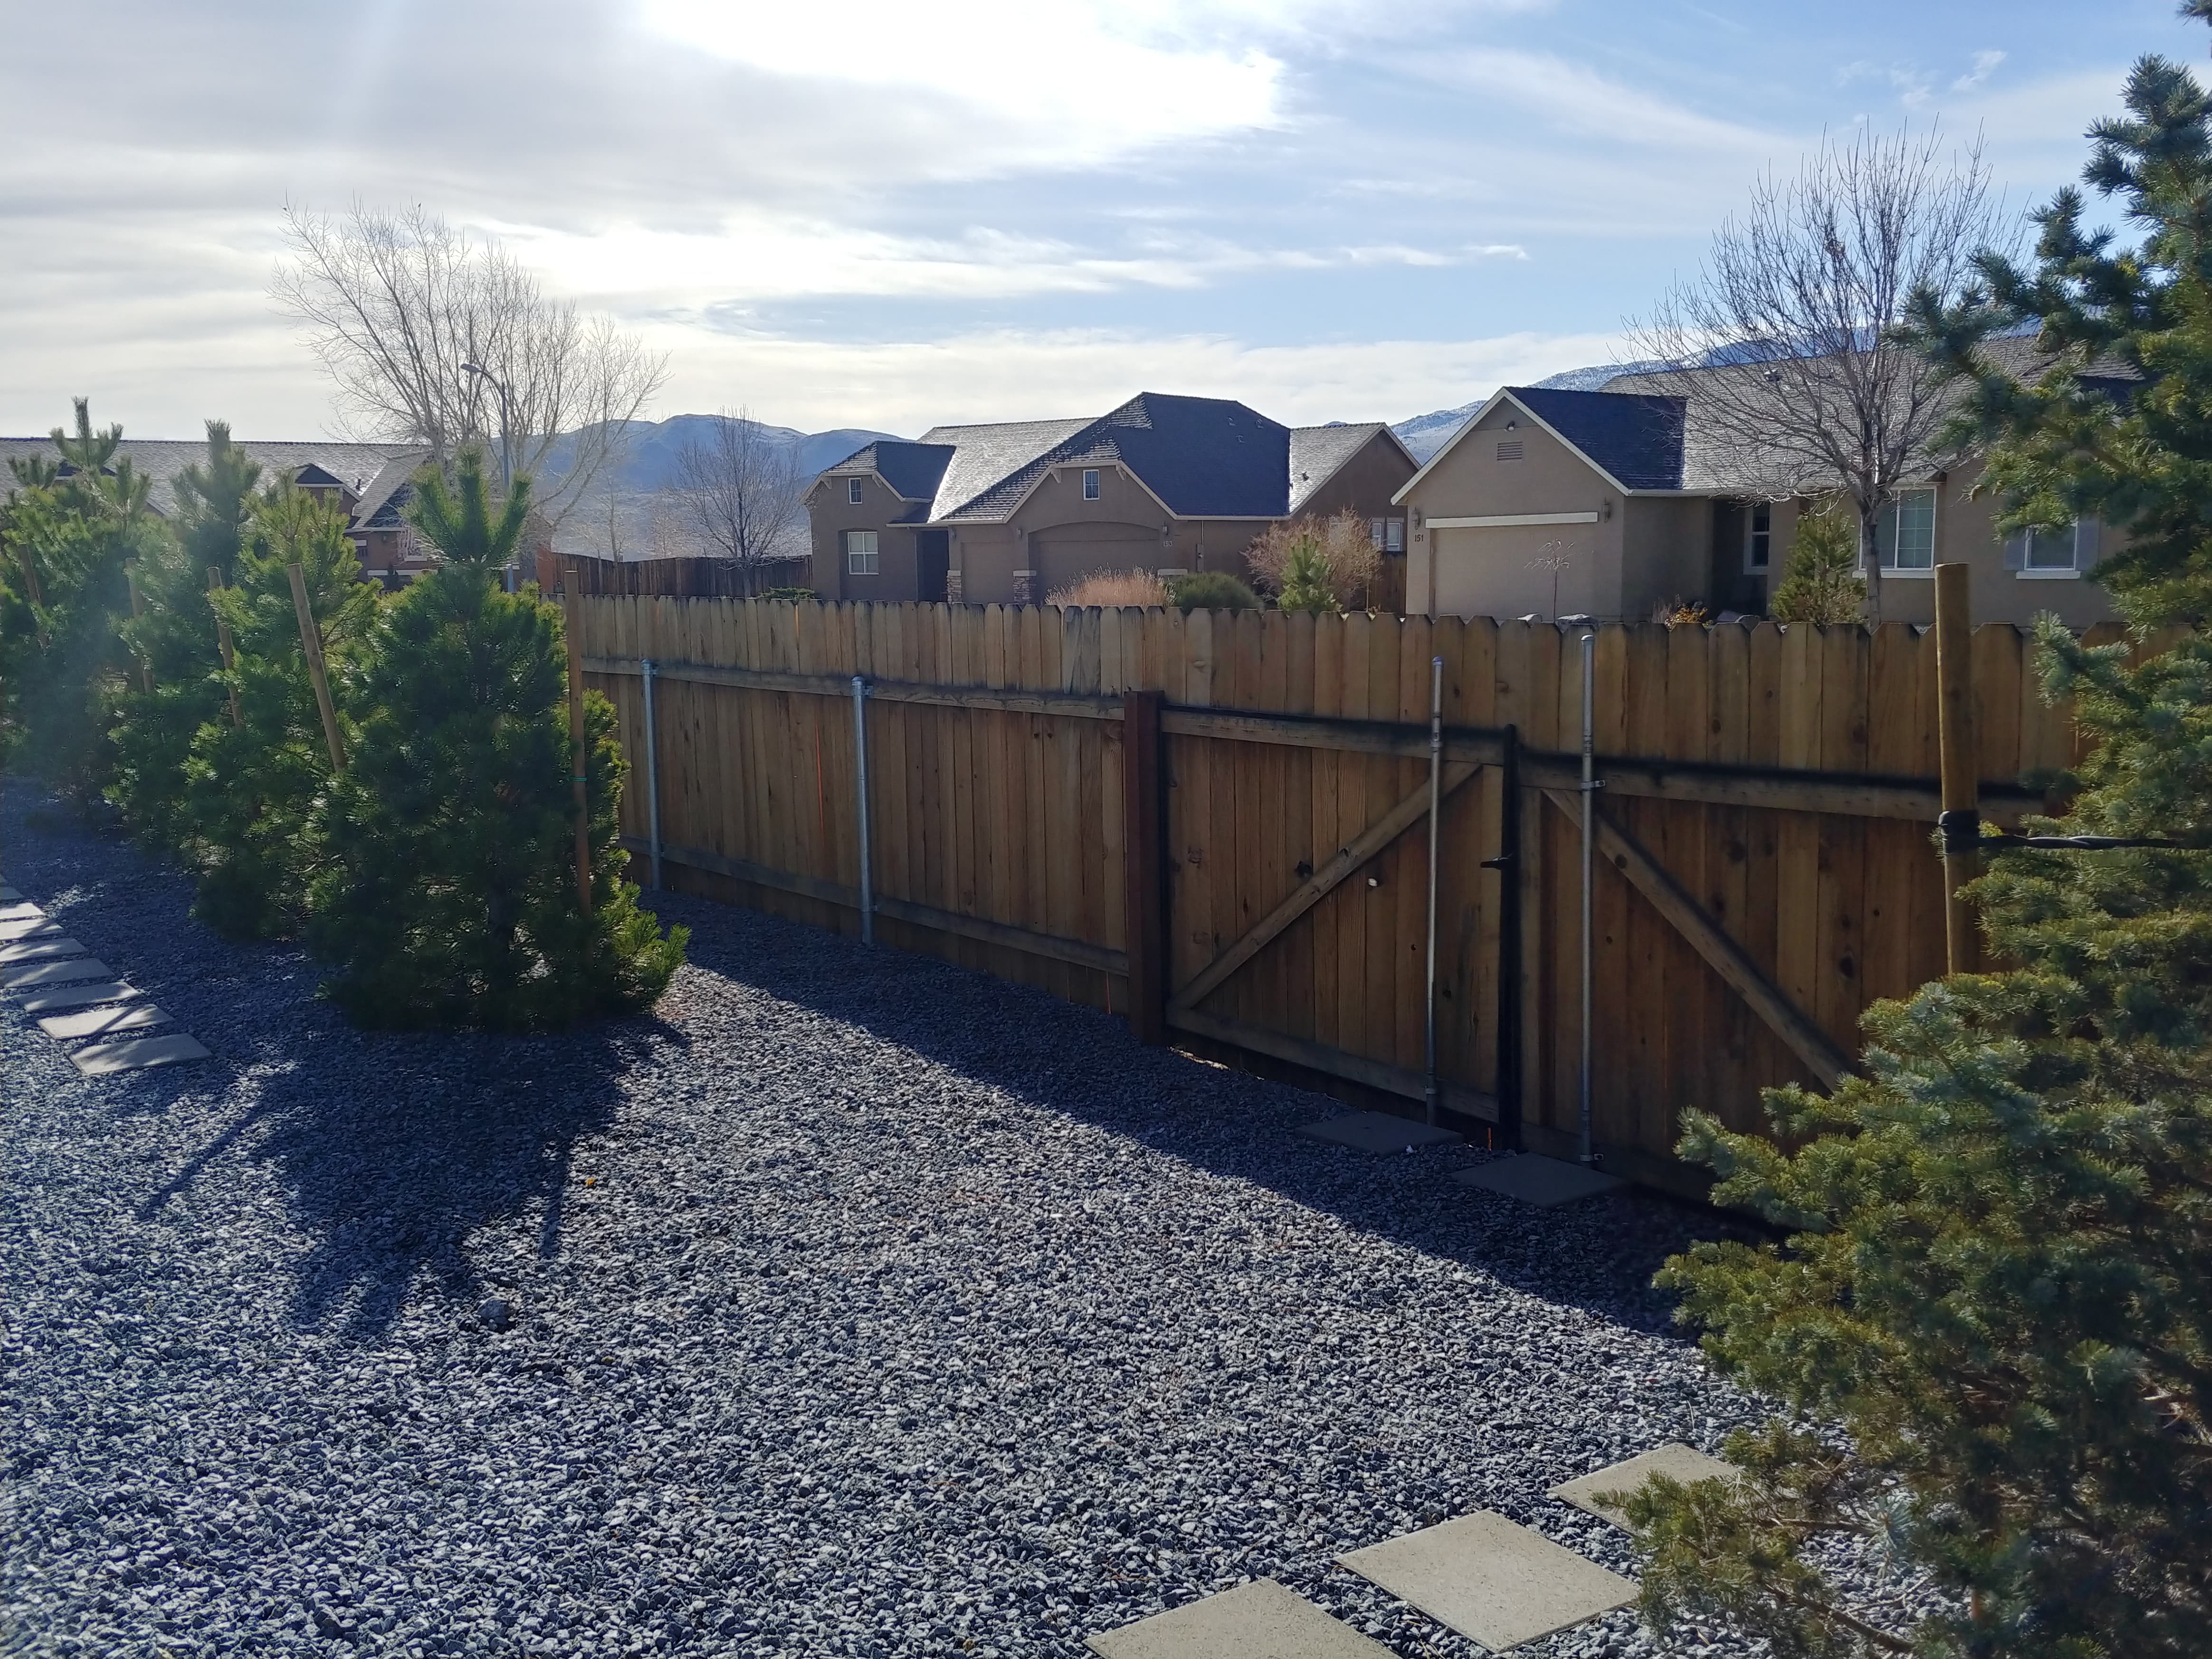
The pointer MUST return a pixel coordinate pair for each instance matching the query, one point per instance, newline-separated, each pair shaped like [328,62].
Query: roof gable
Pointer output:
[1318,453]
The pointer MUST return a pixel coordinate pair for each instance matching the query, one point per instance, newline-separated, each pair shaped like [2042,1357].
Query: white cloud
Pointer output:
[1985,64]
[1084,82]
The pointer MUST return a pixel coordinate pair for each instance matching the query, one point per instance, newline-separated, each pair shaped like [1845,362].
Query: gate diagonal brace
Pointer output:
[1812,1045]
[1345,861]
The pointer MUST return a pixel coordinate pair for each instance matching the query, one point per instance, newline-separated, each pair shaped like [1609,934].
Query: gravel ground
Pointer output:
[854,1305]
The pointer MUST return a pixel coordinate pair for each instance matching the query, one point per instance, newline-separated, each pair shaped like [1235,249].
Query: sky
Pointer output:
[887,214]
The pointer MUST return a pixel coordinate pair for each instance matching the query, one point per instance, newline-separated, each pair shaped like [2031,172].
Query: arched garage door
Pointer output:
[1505,570]
[1066,554]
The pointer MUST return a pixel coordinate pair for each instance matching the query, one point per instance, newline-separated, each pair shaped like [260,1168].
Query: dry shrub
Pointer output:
[1347,553]
[1112,587]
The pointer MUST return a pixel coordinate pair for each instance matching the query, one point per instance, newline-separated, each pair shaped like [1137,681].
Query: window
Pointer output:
[1394,536]
[1374,533]
[1905,531]
[859,552]
[1758,537]
[1508,449]
[2066,551]
[853,491]
[1090,483]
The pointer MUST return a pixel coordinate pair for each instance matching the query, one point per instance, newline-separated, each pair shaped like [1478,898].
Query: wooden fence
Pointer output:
[1766,869]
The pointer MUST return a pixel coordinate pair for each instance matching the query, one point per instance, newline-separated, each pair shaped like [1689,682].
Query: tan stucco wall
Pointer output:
[1665,552]
[1062,538]
[1965,533]
[1365,484]
[1487,571]
[830,514]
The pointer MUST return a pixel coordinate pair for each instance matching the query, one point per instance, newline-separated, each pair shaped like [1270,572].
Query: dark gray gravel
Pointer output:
[853,1304]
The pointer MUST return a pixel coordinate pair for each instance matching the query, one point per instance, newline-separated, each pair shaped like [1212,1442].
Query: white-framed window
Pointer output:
[1905,531]
[1758,538]
[859,552]
[1090,483]
[1394,536]
[2062,553]
[853,491]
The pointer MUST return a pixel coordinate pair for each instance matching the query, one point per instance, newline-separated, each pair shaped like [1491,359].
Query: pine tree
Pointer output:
[175,642]
[72,529]
[255,790]
[1305,578]
[451,899]
[1822,583]
[1992,1325]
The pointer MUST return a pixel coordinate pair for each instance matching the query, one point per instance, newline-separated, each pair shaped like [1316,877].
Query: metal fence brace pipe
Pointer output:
[860,773]
[1589,845]
[652,774]
[1436,811]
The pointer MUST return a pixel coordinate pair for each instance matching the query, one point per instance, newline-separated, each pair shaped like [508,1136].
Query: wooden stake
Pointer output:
[139,610]
[572,629]
[311,641]
[1961,819]
[223,643]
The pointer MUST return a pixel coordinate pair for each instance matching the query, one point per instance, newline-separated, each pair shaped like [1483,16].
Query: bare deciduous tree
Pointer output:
[1345,546]
[1797,309]
[742,489]
[436,338]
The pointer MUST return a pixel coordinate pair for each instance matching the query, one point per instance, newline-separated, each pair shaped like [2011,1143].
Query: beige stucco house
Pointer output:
[1613,502]
[1010,512]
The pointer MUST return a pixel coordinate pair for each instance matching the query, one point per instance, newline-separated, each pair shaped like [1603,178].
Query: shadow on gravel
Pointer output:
[1083,1064]
[395,1149]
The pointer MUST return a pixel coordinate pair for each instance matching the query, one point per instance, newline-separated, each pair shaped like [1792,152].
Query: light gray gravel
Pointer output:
[853,1305]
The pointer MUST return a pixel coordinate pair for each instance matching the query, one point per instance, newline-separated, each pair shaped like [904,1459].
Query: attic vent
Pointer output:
[1508,449]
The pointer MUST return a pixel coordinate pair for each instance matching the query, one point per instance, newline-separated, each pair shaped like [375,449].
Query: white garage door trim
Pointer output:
[1506,521]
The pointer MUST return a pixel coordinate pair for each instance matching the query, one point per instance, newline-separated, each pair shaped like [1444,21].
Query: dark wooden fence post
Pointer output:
[1144,837]
[1962,770]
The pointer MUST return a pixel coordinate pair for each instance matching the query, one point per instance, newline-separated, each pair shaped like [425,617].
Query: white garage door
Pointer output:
[1507,570]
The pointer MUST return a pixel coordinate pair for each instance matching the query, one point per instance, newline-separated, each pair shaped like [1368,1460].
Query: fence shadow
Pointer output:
[1079,1062]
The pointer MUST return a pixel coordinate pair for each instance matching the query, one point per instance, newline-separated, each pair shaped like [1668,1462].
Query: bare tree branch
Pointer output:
[1787,338]
[742,489]
[395,303]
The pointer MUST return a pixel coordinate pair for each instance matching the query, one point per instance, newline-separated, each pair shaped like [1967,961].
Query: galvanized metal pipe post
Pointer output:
[652,774]
[1430,1089]
[861,771]
[1590,873]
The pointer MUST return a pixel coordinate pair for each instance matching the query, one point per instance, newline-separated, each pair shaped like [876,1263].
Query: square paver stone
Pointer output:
[16,981]
[1543,1181]
[38,950]
[1378,1133]
[1683,1463]
[79,996]
[1490,1580]
[1258,1621]
[103,1022]
[135,1054]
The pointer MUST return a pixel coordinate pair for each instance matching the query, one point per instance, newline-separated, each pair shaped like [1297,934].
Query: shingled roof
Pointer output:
[1636,438]
[1318,452]
[357,467]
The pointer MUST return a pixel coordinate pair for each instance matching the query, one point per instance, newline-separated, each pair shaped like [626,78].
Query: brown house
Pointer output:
[1613,502]
[1012,511]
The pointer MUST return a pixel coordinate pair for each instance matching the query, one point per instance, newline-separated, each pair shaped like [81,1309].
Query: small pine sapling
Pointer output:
[1821,583]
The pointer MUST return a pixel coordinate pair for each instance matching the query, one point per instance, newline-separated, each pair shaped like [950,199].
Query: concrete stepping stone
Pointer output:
[136,1054]
[1543,1181]
[1493,1581]
[38,950]
[1377,1132]
[1597,1493]
[21,910]
[27,927]
[79,996]
[103,1022]
[16,981]
[1258,1621]
[9,896]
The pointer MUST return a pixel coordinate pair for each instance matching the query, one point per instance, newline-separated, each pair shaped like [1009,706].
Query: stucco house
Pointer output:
[370,482]
[1613,502]
[1010,512]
